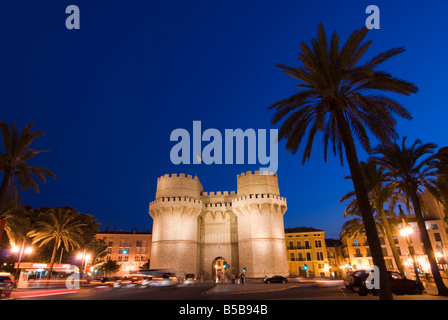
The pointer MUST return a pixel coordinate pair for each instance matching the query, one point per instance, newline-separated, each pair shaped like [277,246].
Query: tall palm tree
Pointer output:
[14,162]
[17,224]
[61,228]
[337,99]
[379,193]
[412,170]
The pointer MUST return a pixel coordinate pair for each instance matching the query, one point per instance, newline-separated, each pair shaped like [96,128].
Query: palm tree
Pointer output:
[14,163]
[60,227]
[379,194]
[17,223]
[412,170]
[336,99]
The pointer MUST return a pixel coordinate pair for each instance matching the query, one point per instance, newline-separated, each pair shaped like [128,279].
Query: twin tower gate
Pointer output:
[197,232]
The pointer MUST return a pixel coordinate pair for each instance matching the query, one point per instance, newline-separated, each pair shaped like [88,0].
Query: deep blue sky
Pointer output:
[108,95]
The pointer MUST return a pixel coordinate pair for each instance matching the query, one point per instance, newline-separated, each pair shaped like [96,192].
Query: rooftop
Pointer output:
[301,229]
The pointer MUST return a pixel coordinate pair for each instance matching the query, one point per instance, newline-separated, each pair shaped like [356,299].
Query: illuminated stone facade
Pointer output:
[194,231]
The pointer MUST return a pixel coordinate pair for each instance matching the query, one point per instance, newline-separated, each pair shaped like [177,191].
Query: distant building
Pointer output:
[306,252]
[335,257]
[130,250]
[357,254]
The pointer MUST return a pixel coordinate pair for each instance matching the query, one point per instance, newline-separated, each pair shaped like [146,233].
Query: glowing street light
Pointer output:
[406,230]
[85,257]
[21,250]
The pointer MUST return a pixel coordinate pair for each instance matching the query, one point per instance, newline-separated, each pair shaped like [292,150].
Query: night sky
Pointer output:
[108,95]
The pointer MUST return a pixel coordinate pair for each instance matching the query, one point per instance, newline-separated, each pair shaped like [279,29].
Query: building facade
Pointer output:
[215,234]
[130,250]
[410,247]
[306,252]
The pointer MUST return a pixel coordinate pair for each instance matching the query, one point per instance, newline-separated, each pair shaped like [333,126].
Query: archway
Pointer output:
[220,267]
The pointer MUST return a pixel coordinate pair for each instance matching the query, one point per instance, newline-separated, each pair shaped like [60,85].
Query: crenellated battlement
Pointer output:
[256,173]
[218,205]
[259,197]
[177,175]
[173,199]
[219,193]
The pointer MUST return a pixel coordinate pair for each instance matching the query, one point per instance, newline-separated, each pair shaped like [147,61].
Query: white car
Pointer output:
[166,279]
[190,278]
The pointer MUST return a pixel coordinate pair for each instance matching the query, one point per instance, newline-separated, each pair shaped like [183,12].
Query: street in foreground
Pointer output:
[321,290]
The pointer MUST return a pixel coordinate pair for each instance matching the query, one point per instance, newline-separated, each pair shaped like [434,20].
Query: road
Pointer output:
[311,291]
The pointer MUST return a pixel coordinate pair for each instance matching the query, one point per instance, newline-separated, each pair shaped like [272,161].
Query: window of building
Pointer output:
[126,258]
[399,251]
[319,256]
[307,244]
[320,265]
[137,258]
[434,227]
[109,250]
[308,256]
[318,243]
[358,252]
[120,251]
[382,241]
[300,256]
[111,243]
[291,245]
[120,258]
[355,242]
[395,240]
[299,245]
[437,236]
[384,249]
[138,243]
[292,256]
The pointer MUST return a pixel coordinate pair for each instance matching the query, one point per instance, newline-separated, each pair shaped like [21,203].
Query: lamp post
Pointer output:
[406,230]
[84,257]
[22,250]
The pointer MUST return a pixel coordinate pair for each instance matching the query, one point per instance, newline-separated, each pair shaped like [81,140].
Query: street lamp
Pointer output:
[22,250]
[84,257]
[406,230]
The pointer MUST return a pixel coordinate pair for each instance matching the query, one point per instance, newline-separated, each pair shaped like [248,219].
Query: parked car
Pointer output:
[400,285]
[190,278]
[6,284]
[276,279]
[106,282]
[165,279]
[354,280]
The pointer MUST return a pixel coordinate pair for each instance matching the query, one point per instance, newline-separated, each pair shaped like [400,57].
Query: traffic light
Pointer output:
[305,267]
[224,265]
[244,269]
[125,251]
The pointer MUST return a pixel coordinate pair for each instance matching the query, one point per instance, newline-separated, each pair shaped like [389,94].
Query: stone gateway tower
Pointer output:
[219,233]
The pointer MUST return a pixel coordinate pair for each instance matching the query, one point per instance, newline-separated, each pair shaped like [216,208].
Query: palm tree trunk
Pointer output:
[442,289]
[4,188]
[390,239]
[53,256]
[364,205]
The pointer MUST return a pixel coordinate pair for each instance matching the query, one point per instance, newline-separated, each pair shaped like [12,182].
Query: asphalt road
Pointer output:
[199,292]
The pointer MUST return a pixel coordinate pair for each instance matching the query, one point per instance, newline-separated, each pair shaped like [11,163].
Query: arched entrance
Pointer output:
[219,269]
